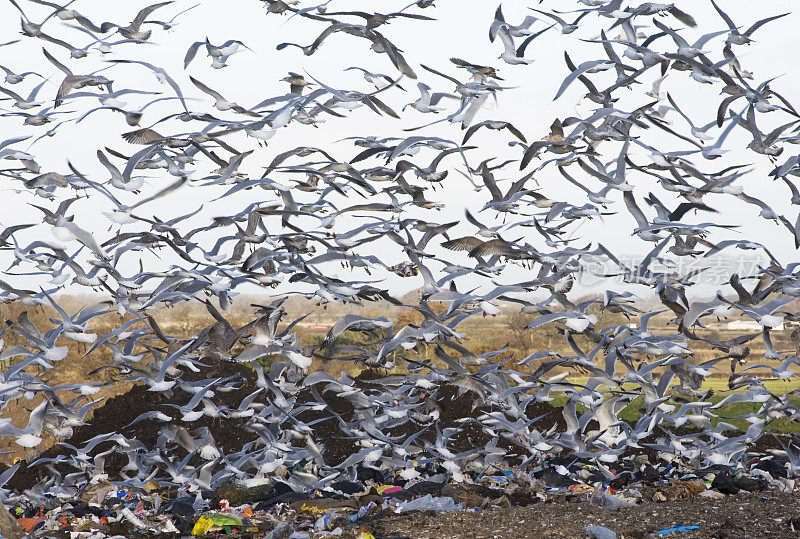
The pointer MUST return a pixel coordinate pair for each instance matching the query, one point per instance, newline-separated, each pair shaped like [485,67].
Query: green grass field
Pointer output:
[734,414]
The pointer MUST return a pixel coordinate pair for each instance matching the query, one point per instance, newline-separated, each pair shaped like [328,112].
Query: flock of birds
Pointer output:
[310,212]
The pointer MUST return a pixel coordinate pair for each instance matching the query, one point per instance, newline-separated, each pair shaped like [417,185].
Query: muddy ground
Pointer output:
[744,515]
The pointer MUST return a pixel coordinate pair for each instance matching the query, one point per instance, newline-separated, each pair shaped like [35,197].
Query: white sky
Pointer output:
[461,30]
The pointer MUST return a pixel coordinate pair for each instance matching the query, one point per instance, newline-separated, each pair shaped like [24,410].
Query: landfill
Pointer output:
[46,497]
[361,274]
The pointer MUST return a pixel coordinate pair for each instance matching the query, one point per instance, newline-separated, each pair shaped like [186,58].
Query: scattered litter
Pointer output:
[388,489]
[612,502]
[677,528]
[325,521]
[344,507]
[362,512]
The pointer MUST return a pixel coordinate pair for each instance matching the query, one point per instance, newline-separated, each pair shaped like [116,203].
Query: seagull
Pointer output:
[566,28]
[510,55]
[698,132]
[334,227]
[585,67]
[221,103]
[427,102]
[74,81]
[354,322]
[522,29]
[16,78]
[24,103]
[162,77]
[30,435]
[373,20]
[219,54]
[133,30]
[132,117]
[742,38]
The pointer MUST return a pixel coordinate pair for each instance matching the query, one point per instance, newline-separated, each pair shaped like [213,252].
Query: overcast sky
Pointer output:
[461,30]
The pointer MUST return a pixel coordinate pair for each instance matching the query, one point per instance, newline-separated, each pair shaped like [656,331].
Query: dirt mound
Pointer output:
[456,407]
[116,414]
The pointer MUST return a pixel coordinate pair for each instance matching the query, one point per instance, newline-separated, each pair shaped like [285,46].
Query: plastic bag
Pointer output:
[600,532]
[215,521]
[325,521]
[202,526]
[430,503]
[133,519]
[612,502]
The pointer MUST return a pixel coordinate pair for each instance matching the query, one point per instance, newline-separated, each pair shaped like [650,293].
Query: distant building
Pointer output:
[318,327]
[748,325]
[717,325]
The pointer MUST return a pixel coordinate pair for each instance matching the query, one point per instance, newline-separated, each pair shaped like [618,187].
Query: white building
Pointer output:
[748,325]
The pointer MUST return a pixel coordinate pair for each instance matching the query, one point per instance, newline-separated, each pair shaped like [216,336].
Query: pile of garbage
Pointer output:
[128,472]
[139,467]
[281,454]
[273,509]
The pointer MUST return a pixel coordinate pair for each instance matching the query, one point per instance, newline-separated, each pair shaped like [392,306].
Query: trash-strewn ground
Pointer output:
[765,514]
[637,496]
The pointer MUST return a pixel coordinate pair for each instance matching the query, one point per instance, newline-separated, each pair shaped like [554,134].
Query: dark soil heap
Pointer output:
[458,408]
